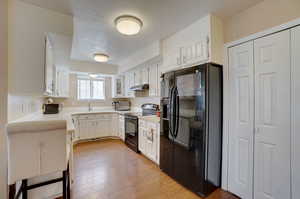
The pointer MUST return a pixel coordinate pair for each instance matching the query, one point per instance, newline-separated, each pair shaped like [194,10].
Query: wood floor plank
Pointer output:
[109,170]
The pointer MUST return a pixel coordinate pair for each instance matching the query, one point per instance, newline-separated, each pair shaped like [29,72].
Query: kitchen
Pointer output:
[129,104]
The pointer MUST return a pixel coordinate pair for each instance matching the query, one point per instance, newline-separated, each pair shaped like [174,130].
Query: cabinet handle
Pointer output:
[184,59]
[257,130]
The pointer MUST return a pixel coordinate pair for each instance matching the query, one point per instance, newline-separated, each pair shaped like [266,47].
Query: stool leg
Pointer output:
[24,189]
[12,191]
[69,186]
[64,184]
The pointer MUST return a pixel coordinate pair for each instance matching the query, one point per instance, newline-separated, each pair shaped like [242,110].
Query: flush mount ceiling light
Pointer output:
[128,25]
[93,75]
[98,57]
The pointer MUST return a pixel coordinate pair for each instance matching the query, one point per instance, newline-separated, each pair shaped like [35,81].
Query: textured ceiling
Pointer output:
[61,6]
[94,29]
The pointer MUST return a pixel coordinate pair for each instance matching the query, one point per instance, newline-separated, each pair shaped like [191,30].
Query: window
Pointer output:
[90,89]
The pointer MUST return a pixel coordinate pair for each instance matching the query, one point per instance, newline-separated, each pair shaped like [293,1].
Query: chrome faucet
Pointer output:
[90,107]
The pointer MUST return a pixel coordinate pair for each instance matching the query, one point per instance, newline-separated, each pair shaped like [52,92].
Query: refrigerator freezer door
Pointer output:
[167,124]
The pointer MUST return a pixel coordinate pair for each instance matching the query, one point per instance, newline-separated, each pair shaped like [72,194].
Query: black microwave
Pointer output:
[51,108]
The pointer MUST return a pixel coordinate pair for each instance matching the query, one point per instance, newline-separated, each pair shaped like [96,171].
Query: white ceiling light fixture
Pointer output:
[93,75]
[99,57]
[128,25]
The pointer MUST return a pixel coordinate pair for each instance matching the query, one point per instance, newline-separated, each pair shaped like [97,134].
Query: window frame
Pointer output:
[99,79]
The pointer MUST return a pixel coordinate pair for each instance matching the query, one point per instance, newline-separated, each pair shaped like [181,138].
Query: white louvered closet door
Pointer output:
[241,124]
[272,178]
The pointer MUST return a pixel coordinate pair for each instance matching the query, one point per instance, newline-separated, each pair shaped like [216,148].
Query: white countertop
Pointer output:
[67,113]
[151,118]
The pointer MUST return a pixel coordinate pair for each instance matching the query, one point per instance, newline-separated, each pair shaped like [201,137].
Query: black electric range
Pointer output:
[132,125]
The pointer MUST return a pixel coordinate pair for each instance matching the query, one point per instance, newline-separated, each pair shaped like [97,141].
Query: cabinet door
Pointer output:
[202,50]
[142,141]
[121,127]
[145,75]
[295,112]
[65,83]
[272,173]
[137,77]
[241,126]
[152,142]
[153,79]
[83,129]
[92,129]
[119,86]
[115,125]
[49,68]
[158,79]
[130,83]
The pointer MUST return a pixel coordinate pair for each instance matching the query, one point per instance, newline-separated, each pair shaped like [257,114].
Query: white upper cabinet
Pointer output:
[129,82]
[62,79]
[56,74]
[49,68]
[118,86]
[154,80]
[145,75]
[137,77]
[198,43]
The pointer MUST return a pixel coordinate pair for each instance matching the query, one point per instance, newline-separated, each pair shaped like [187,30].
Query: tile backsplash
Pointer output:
[20,106]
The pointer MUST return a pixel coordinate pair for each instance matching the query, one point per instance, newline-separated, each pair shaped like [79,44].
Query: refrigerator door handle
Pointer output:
[176,112]
[171,112]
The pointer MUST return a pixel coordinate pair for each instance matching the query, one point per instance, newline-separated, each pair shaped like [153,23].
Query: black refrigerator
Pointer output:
[191,127]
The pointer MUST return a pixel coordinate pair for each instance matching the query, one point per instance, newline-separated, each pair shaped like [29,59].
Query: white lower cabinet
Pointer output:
[260,118]
[91,126]
[149,140]
[122,127]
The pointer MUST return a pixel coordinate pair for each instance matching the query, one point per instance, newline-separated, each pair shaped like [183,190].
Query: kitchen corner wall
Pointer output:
[143,98]
[3,95]
[20,106]
[73,102]
[264,15]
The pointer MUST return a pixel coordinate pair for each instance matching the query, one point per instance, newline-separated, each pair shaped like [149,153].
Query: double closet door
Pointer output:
[260,118]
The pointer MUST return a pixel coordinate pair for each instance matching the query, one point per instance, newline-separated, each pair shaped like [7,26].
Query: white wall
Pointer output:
[27,27]
[73,102]
[3,96]
[264,15]
[62,45]
[143,55]
[139,101]
[91,67]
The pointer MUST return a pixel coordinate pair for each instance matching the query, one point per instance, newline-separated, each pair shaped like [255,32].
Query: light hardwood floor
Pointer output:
[109,170]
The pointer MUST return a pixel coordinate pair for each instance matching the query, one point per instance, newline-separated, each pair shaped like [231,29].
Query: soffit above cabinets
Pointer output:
[95,32]
[94,29]
[60,6]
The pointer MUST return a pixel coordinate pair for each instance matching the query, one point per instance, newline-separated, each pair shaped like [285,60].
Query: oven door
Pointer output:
[131,132]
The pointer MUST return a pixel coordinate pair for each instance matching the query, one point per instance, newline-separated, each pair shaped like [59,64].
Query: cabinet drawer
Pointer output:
[142,123]
[86,117]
